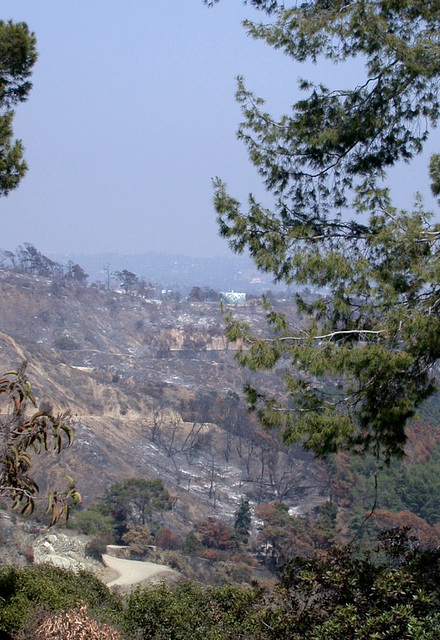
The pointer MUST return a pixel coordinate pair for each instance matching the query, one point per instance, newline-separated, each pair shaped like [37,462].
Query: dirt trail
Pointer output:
[134,571]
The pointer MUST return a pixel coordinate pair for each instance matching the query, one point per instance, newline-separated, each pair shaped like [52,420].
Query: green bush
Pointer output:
[191,544]
[92,522]
[26,592]
[392,594]
[188,611]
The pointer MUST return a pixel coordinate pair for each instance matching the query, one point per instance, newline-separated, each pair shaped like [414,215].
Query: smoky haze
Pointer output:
[131,116]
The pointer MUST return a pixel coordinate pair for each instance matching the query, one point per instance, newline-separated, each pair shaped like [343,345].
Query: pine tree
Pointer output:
[17,58]
[243,519]
[363,359]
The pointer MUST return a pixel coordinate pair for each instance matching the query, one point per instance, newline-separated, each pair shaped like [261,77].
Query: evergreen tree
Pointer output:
[128,279]
[17,58]
[134,502]
[364,356]
[191,544]
[325,527]
[243,519]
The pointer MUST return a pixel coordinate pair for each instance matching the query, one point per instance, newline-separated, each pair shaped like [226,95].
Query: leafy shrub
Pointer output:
[394,594]
[191,544]
[23,592]
[92,522]
[337,596]
[188,611]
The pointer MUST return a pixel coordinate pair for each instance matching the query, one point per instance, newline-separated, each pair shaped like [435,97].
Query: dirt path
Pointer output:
[133,571]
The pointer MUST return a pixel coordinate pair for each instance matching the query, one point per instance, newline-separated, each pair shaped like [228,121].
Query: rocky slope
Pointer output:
[25,542]
[152,387]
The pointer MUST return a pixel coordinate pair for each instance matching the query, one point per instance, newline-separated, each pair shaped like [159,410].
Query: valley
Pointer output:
[153,391]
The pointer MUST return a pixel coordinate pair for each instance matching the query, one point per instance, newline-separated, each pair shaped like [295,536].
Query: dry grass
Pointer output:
[75,624]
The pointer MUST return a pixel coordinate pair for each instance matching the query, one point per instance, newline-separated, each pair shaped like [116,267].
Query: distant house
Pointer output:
[232,297]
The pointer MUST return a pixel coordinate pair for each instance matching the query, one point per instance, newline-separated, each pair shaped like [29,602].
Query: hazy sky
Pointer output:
[131,114]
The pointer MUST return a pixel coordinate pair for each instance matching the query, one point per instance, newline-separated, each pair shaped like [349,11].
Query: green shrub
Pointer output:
[393,594]
[191,544]
[24,592]
[188,611]
[92,522]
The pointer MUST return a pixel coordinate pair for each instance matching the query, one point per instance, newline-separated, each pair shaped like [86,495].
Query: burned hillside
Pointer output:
[154,391]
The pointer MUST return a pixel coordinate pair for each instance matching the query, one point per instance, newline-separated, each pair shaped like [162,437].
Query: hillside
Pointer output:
[153,391]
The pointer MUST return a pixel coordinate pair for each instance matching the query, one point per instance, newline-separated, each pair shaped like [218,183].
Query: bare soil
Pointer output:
[132,572]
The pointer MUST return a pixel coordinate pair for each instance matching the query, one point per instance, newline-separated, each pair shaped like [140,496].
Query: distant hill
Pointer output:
[219,272]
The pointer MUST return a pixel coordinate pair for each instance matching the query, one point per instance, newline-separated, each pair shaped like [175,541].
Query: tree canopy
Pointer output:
[17,58]
[363,356]
[135,501]
[128,279]
[266,5]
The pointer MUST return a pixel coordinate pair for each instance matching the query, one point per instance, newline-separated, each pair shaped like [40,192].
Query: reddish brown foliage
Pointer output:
[422,440]
[283,535]
[167,540]
[427,535]
[213,555]
[215,534]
